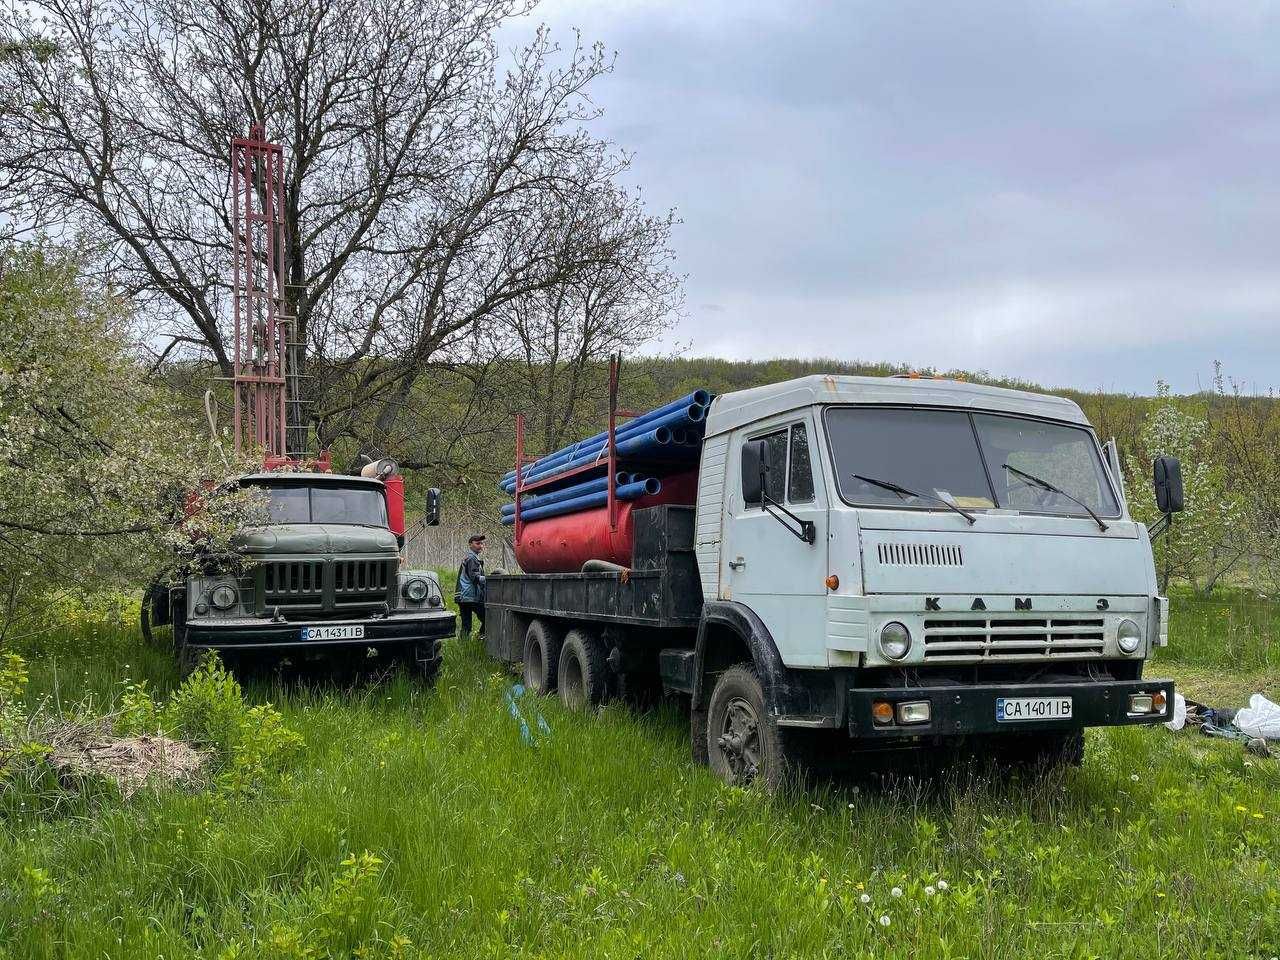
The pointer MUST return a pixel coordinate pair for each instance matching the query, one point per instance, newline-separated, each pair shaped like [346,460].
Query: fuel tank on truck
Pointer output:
[563,544]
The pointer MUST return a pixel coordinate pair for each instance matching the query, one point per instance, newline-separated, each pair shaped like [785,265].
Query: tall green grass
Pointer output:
[601,839]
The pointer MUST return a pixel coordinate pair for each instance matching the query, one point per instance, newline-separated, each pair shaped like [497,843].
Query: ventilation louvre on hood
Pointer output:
[920,554]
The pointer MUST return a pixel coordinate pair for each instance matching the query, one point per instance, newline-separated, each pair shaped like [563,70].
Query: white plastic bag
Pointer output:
[1179,719]
[1261,718]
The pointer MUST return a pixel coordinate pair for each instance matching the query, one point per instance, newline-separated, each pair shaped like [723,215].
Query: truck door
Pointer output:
[764,562]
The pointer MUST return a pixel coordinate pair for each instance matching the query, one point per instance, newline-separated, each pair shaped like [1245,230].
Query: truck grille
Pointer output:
[360,581]
[326,585]
[293,583]
[971,639]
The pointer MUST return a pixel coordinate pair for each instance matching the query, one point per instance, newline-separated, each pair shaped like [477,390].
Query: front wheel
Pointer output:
[744,744]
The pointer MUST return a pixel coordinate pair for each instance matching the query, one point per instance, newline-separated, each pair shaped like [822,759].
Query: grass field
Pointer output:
[419,822]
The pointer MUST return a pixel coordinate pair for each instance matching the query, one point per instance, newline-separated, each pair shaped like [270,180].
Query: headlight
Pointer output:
[895,641]
[415,590]
[224,596]
[1129,636]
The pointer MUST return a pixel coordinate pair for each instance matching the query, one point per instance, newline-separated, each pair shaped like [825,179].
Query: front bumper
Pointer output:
[961,710]
[250,633]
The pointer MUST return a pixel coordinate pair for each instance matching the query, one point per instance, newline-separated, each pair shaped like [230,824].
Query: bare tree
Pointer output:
[553,345]
[431,185]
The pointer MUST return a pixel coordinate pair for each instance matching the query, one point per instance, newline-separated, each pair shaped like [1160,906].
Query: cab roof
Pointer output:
[741,407]
[277,476]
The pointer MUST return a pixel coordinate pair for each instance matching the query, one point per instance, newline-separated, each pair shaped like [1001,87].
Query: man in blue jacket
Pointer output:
[470,595]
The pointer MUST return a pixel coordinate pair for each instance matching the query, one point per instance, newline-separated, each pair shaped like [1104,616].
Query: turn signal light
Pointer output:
[833,582]
[1158,701]
[882,712]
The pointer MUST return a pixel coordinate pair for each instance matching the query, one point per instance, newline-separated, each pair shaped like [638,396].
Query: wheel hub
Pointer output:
[739,739]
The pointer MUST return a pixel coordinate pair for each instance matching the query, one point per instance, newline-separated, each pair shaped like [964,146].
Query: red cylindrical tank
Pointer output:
[563,544]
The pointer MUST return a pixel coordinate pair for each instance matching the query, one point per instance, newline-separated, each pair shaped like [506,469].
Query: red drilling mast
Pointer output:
[262,374]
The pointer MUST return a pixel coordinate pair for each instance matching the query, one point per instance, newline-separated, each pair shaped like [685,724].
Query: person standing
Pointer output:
[471,587]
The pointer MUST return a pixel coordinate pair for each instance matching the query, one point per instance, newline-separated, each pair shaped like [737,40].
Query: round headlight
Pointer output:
[1129,636]
[415,590]
[895,640]
[224,596]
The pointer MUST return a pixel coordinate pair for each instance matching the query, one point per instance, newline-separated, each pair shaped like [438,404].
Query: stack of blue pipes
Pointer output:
[652,445]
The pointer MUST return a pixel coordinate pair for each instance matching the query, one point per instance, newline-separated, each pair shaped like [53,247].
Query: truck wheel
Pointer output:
[744,744]
[428,668]
[541,657]
[582,676]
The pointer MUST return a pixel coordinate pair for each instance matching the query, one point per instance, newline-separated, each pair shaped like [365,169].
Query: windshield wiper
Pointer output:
[904,493]
[1046,485]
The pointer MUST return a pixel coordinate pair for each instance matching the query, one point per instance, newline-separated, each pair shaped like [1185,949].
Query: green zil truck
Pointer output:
[322,577]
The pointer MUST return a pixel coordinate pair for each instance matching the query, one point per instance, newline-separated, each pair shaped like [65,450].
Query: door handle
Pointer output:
[737,564]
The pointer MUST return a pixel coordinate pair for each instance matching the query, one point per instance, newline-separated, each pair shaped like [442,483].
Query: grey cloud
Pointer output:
[1080,194]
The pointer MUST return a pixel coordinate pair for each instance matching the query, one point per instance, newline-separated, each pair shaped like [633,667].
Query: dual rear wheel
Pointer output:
[572,663]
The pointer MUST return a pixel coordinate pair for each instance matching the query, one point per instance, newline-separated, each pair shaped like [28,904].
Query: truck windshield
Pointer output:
[960,457]
[294,503]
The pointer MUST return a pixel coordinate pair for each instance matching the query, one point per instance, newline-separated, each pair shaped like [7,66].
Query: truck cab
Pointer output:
[923,559]
[322,575]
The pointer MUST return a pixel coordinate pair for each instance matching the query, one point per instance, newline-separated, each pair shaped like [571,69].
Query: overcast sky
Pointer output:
[1077,193]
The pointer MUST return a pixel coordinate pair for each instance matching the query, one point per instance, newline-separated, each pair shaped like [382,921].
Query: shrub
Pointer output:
[209,710]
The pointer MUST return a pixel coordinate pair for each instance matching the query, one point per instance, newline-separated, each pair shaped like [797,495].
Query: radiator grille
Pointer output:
[920,554]
[293,583]
[360,581]
[326,585]
[960,639]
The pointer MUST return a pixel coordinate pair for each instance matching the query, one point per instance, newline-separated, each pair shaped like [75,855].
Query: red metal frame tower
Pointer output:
[258,255]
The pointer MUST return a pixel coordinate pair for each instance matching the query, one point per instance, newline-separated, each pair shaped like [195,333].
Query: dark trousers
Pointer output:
[466,608]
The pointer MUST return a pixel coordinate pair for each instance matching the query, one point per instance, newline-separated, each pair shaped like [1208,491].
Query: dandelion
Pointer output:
[865,898]
[929,891]
[1133,777]
[1258,816]
[1241,808]
[884,920]
[896,892]
[942,885]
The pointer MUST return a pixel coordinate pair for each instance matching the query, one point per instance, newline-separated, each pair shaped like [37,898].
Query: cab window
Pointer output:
[790,477]
[800,467]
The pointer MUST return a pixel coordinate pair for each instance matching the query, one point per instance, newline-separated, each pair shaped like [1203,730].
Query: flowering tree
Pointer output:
[96,458]
[1208,539]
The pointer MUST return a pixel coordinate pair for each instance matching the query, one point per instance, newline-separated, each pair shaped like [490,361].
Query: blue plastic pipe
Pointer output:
[700,398]
[687,417]
[568,493]
[584,451]
[630,491]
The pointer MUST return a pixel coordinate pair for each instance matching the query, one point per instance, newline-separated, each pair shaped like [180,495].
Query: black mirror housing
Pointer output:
[1167,478]
[754,467]
[432,512]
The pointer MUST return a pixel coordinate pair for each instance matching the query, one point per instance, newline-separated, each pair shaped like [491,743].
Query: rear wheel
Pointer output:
[744,744]
[541,657]
[582,677]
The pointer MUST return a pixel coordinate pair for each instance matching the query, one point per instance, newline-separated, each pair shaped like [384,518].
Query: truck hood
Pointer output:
[316,538]
[1031,556]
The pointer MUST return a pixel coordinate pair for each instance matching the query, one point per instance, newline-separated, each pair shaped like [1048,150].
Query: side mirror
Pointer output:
[1167,477]
[432,515]
[754,468]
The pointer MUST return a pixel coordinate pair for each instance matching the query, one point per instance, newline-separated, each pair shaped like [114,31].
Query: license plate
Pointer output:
[343,632]
[1033,708]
